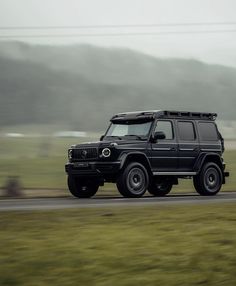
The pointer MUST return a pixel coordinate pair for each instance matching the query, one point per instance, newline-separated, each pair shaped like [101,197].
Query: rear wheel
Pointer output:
[160,188]
[209,181]
[133,181]
[82,188]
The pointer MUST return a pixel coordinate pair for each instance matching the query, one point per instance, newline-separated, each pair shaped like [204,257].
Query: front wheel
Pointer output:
[82,188]
[160,188]
[133,181]
[209,181]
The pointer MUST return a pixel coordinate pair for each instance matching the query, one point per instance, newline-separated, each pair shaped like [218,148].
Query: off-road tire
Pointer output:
[133,181]
[209,181]
[82,188]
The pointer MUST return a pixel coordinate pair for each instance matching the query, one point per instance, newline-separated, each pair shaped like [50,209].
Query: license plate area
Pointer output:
[81,165]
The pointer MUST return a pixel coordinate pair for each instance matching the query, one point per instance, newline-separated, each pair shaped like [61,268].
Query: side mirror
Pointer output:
[101,138]
[159,135]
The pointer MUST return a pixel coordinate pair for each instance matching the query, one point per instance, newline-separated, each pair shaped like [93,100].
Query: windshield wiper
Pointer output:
[133,135]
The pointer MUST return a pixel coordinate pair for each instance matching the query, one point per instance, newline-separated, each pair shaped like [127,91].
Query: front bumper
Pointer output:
[97,169]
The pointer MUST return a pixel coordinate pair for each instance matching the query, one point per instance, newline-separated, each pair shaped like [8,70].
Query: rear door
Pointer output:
[164,152]
[209,137]
[188,145]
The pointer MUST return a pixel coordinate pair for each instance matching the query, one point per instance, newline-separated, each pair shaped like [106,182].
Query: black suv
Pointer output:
[150,150]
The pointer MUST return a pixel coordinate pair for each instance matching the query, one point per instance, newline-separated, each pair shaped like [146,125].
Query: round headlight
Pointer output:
[106,152]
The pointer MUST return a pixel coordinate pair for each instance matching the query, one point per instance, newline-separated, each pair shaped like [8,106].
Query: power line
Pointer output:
[117,26]
[118,34]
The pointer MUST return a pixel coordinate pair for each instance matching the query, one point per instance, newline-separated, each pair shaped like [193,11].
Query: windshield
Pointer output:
[128,129]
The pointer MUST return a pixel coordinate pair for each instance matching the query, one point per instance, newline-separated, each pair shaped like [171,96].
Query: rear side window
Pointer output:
[207,131]
[186,131]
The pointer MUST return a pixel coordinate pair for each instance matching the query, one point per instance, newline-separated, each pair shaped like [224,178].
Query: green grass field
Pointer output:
[39,163]
[161,245]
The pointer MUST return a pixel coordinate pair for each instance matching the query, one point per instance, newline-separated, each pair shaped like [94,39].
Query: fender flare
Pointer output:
[216,158]
[125,156]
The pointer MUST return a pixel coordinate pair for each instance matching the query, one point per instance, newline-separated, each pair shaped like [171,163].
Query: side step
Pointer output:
[174,173]
[226,174]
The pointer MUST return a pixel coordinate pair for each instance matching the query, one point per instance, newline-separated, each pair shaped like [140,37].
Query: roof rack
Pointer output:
[152,114]
[188,114]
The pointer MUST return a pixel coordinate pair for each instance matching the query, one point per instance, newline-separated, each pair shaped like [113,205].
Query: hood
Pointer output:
[110,143]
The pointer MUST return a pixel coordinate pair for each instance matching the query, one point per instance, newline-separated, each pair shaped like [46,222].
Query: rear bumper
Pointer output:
[96,169]
[226,174]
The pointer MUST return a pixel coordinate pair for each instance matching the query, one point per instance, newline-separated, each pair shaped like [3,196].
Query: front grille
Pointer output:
[85,153]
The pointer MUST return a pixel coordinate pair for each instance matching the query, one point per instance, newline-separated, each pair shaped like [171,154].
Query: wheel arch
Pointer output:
[205,158]
[138,157]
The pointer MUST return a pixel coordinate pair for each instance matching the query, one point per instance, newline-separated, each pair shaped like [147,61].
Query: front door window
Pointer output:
[166,128]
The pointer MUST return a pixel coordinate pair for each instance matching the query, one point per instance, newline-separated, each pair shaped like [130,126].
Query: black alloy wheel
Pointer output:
[133,180]
[209,181]
[82,188]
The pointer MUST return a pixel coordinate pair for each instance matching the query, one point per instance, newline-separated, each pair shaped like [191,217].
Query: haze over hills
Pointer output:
[82,86]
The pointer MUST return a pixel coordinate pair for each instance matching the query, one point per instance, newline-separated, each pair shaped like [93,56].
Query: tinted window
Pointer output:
[166,128]
[207,131]
[186,130]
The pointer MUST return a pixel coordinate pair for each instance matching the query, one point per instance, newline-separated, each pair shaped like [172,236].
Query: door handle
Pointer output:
[173,149]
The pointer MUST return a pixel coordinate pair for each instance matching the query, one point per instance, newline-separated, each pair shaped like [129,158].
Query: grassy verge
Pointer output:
[39,163]
[168,245]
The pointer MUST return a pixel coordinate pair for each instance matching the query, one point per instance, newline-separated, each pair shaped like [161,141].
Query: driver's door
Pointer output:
[164,152]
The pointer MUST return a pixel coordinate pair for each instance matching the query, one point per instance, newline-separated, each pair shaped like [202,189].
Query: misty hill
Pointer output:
[82,86]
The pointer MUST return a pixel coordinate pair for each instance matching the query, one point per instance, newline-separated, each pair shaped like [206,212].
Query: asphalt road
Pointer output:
[97,202]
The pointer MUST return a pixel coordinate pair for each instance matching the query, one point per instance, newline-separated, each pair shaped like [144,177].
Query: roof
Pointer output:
[150,115]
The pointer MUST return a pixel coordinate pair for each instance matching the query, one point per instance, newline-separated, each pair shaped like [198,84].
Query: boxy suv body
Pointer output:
[150,150]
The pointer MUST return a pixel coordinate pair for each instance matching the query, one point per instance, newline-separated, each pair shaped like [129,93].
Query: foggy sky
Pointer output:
[213,48]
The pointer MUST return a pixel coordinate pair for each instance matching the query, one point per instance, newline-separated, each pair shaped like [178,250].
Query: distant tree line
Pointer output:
[82,86]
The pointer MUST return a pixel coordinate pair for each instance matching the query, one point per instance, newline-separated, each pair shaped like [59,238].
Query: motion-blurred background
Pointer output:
[67,66]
